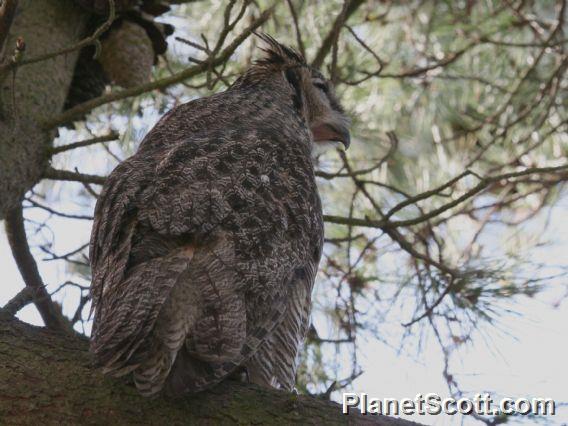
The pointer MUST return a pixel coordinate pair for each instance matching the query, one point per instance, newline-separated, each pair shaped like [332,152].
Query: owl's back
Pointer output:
[202,239]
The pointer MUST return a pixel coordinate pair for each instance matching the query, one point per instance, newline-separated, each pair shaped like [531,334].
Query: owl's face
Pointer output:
[324,114]
[289,76]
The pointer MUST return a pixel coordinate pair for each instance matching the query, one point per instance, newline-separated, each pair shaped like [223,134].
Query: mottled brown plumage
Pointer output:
[206,242]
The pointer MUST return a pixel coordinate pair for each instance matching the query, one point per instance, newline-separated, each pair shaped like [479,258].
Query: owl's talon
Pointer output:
[240,375]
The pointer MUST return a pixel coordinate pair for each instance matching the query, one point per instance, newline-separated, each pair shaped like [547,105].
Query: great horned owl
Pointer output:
[206,242]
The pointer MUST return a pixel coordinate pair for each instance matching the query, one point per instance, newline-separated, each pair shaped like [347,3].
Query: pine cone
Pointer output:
[127,55]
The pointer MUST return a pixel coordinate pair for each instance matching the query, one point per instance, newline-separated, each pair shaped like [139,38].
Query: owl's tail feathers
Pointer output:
[151,375]
[168,336]
[190,374]
[127,313]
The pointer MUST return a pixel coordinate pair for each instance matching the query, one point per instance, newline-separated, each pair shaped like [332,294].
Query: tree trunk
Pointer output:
[32,93]
[46,378]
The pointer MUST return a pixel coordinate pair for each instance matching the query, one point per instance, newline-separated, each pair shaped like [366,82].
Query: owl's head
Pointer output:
[312,94]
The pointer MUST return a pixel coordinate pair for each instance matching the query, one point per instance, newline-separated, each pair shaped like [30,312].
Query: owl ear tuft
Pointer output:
[279,54]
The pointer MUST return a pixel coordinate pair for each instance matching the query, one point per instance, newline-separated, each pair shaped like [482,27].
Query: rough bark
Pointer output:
[46,378]
[33,93]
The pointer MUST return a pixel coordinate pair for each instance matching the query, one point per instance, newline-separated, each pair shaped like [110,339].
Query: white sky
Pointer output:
[528,359]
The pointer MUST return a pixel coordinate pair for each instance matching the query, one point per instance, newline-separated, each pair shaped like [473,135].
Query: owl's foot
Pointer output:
[240,375]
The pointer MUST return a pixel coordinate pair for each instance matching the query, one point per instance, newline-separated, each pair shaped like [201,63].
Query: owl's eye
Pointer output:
[321,85]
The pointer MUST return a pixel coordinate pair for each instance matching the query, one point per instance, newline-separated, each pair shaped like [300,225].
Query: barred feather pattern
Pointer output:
[206,243]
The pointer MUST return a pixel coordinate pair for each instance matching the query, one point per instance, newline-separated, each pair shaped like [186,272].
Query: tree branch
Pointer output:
[81,109]
[106,138]
[299,40]
[19,301]
[483,183]
[55,174]
[55,212]
[16,233]
[47,378]
[349,7]
[93,39]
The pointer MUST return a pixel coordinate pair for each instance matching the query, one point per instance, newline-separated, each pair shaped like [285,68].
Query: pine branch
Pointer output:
[82,109]
[349,7]
[482,184]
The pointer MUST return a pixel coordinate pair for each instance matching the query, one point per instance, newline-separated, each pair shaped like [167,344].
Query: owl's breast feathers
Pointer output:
[198,239]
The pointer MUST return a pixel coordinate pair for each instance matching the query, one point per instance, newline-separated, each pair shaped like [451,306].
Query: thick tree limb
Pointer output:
[30,95]
[70,392]
[16,233]
[7,12]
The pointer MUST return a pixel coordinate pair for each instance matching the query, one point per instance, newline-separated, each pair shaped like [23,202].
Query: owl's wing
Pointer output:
[152,221]
[125,299]
[275,363]
[113,227]
[151,205]
[279,324]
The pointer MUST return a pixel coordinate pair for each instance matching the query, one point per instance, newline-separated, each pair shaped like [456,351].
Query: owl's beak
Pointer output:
[331,132]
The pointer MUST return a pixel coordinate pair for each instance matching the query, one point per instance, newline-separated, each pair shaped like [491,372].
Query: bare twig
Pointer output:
[66,175]
[106,138]
[85,298]
[349,7]
[392,149]
[93,39]
[483,183]
[427,194]
[65,256]
[299,40]
[430,309]
[57,213]
[367,48]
